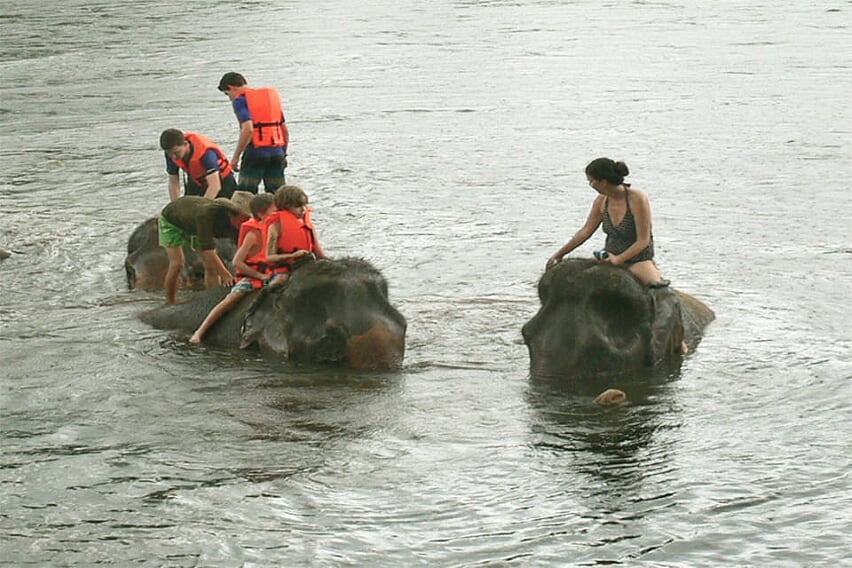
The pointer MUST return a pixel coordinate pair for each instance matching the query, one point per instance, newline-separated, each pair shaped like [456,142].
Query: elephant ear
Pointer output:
[261,325]
[667,325]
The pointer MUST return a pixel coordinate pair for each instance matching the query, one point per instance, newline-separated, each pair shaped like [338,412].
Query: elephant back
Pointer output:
[696,316]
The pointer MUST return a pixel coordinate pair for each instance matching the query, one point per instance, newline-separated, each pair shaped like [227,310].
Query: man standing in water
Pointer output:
[261,152]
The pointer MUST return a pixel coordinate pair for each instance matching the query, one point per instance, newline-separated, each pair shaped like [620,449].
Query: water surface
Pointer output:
[444,142]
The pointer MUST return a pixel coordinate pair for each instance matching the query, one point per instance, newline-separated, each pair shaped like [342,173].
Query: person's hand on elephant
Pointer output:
[552,260]
[613,259]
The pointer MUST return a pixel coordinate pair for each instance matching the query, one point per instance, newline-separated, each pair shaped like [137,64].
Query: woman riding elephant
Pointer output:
[597,319]
[626,217]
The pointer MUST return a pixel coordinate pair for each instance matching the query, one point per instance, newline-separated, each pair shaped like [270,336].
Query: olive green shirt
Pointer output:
[201,217]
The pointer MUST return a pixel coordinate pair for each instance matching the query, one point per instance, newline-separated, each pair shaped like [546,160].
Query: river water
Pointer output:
[445,142]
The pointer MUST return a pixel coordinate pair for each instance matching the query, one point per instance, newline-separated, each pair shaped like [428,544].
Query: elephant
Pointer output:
[146,262]
[598,319]
[329,312]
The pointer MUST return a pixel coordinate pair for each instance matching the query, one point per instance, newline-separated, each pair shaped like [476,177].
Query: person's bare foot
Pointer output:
[195,338]
[684,348]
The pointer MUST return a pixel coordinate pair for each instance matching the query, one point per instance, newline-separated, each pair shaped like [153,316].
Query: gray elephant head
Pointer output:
[330,312]
[146,262]
[599,319]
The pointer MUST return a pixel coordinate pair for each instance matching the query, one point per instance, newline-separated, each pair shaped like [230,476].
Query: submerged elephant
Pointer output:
[330,311]
[598,319]
[146,262]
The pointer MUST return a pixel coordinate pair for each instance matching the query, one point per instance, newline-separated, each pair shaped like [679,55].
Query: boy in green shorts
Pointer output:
[196,221]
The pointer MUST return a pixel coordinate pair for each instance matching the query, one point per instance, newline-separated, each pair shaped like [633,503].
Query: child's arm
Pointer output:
[272,255]
[251,246]
[318,250]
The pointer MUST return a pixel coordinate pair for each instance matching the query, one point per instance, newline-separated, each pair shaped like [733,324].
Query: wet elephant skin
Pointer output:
[331,312]
[146,262]
[599,319]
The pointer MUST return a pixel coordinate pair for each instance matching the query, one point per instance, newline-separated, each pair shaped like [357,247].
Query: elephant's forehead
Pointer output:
[321,282]
[593,283]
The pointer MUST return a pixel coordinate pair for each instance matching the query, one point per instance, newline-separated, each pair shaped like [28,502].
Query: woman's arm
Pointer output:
[588,229]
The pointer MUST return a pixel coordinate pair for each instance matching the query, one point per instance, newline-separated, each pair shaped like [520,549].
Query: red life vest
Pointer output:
[257,260]
[267,117]
[296,234]
[195,169]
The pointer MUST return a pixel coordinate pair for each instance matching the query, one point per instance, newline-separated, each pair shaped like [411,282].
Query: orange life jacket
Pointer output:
[195,169]
[257,260]
[296,234]
[267,116]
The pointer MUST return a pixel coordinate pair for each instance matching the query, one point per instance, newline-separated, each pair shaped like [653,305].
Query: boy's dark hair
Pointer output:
[260,203]
[171,138]
[288,196]
[231,79]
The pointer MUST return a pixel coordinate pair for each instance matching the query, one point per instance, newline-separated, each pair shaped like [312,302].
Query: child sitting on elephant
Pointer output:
[249,260]
[292,238]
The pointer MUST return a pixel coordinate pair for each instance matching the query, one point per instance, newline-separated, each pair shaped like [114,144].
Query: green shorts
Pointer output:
[172,236]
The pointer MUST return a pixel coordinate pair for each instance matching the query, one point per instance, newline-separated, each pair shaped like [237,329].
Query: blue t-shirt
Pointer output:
[210,160]
[241,110]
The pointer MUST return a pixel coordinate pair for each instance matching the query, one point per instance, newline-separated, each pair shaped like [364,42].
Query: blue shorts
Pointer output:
[243,286]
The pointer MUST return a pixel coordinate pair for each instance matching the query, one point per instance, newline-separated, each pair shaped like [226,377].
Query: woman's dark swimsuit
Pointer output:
[621,238]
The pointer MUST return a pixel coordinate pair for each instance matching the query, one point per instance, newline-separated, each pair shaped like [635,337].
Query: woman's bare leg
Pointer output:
[646,271]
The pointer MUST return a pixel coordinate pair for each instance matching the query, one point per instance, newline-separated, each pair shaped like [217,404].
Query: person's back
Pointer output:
[197,221]
[201,217]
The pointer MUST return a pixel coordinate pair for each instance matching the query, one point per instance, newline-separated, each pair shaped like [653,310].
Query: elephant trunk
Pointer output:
[330,347]
[380,347]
